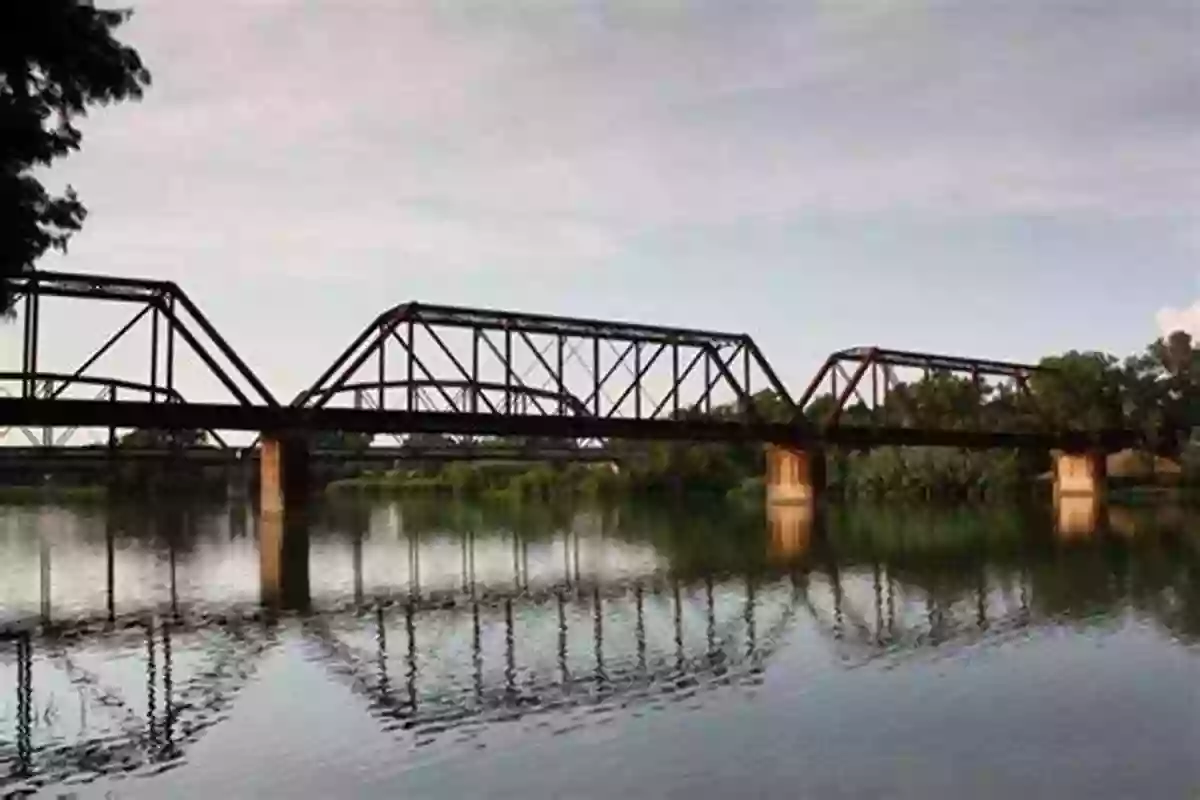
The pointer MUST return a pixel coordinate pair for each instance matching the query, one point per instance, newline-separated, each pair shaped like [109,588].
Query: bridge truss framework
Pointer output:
[471,373]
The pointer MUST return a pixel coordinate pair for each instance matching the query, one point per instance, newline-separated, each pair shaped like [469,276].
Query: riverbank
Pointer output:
[1152,495]
[51,494]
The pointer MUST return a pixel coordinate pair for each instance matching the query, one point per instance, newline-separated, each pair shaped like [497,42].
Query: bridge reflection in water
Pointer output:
[443,624]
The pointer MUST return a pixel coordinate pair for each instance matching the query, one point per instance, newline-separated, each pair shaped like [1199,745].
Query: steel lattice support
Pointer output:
[419,357]
[878,387]
[176,326]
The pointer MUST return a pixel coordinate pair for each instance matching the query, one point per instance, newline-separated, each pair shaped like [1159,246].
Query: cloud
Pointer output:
[1180,319]
[544,132]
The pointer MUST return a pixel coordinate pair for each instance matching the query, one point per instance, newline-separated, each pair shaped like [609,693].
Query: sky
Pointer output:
[995,178]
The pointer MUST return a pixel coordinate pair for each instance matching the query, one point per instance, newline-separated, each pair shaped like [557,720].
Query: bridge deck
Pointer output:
[265,418]
[100,455]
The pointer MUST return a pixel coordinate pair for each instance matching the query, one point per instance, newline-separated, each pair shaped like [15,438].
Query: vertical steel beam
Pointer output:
[36,338]
[411,374]
[637,380]
[746,389]
[706,400]
[560,367]
[382,368]
[26,337]
[170,365]
[675,379]
[475,370]
[508,370]
[112,431]
[154,355]
[596,376]
[47,430]
[29,361]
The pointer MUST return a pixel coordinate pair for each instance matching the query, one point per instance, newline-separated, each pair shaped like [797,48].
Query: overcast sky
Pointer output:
[1000,178]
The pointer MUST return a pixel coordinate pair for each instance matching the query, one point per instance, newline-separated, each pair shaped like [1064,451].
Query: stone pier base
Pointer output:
[1080,492]
[283,474]
[794,477]
[283,540]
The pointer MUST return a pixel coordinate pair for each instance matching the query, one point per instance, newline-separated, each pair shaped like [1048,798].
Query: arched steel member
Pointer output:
[569,402]
[54,384]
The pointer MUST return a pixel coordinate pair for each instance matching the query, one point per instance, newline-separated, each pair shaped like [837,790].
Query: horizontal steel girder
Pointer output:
[161,416]
[99,456]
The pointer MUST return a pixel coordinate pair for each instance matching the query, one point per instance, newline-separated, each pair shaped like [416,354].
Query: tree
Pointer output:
[1081,391]
[341,440]
[150,439]
[57,58]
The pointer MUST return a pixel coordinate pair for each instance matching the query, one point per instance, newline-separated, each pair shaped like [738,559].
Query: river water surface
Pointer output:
[453,651]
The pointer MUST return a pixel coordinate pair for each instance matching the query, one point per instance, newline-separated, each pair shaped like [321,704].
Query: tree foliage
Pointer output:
[341,440]
[57,59]
[151,439]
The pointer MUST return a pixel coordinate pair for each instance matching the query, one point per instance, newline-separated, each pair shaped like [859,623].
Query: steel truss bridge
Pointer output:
[471,375]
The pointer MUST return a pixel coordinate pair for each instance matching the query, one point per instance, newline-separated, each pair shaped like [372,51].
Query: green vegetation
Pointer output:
[129,477]
[57,58]
[55,494]
[1157,391]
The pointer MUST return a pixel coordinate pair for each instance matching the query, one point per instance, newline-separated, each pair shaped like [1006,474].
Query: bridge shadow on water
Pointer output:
[131,635]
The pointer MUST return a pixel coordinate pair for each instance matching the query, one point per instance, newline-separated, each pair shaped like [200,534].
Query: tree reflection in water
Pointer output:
[697,602]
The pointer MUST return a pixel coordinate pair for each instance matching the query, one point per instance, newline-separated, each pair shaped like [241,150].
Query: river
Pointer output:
[440,650]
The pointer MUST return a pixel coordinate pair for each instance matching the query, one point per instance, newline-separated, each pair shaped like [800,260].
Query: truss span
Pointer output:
[176,324]
[415,357]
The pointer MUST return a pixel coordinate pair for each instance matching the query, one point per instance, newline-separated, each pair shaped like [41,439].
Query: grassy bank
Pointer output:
[723,471]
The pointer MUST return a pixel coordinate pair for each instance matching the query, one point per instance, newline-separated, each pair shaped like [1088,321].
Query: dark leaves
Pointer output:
[57,58]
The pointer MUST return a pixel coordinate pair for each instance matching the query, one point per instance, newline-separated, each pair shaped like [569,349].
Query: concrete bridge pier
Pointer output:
[794,476]
[283,536]
[1080,492]
[284,480]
